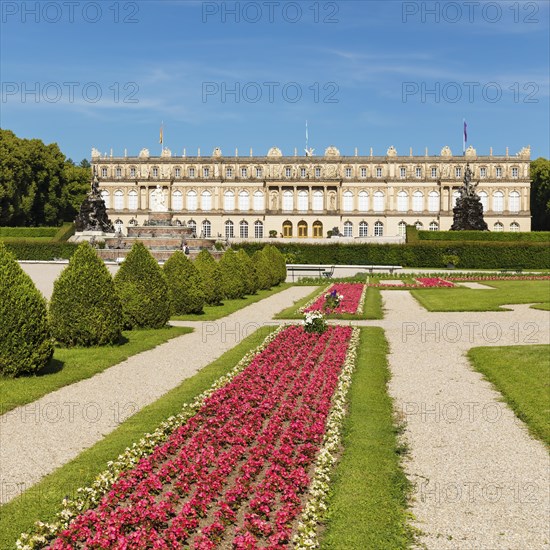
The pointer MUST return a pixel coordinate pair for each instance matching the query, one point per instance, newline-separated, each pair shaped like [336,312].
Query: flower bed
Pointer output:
[475,277]
[236,473]
[433,282]
[352,294]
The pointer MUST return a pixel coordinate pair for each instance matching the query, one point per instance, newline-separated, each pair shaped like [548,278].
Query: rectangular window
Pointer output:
[191,172]
[155,172]
[402,173]
[258,172]
[132,172]
[243,230]
[379,172]
[514,172]
[482,172]
[258,231]
[499,172]
[118,172]
[317,172]
[229,172]
[243,173]
[418,172]
[458,172]
[303,172]
[348,172]
[363,172]
[434,172]
[104,172]
[288,172]
[205,172]
[348,230]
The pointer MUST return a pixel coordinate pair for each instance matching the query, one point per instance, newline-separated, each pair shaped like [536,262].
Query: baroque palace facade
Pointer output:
[291,196]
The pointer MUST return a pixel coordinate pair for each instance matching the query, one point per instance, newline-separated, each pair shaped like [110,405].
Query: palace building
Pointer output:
[251,197]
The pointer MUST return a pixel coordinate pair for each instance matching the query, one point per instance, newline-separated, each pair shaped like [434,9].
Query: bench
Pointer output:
[321,270]
[518,270]
[390,268]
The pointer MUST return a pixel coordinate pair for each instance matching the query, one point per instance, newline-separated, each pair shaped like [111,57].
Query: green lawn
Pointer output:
[69,365]
[522,375]
[211,313]
[368,506]
[372,307]
[43,500]
[467,299]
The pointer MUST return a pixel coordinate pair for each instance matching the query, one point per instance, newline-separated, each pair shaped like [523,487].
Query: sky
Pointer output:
[249,74]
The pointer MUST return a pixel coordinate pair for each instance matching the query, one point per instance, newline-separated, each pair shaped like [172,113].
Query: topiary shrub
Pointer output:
[142,289]
[25,342]
[210,273]
[84,308]
[248,272]
[277,264]
[263,269]
[184,285]
[232,281]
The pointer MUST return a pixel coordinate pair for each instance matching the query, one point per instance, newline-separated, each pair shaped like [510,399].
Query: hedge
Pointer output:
[491,255]
[490,236]
[45,251]
[28,232]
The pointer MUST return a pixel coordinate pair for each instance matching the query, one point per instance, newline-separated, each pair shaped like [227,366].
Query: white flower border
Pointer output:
[361,306]
[91,496]
[306,536]
[314,299]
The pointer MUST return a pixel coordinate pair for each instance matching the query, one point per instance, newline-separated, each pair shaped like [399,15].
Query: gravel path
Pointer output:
[37,438]
[481,481]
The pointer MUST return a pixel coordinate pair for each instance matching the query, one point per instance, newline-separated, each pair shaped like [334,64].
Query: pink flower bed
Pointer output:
[237,472]
[500,278]
[433,282]
[350,291]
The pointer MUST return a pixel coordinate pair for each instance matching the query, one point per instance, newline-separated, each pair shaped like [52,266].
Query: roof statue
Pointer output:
[392,151]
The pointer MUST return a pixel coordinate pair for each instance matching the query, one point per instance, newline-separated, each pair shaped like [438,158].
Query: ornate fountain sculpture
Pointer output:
[468,212]
[93,213]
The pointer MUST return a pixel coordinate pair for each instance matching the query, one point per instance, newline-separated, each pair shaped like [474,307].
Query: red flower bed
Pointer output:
[351,293]
[499,278]
[237,471]
[433,282]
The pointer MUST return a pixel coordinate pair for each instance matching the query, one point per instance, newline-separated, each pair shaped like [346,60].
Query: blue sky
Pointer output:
[363,73]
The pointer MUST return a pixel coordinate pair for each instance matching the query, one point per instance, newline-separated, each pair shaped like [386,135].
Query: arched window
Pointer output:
[433,201]
[177,200]
[206,229]
[419,226]
[191,201]
[402,201]
[347,201]
[244,201]
[418,201]
[229,229]
[258,229]
[119,225]
[363,229]
[484,199]
[378,229]
[434,226]
[302,229]
[288,201]
[106,197]
[402,229]
[132,200]
[456,195]
[513,201]
[192,224]
[317,201]
[302,201]
[243,230]
[498,227]
[229,201]
[119,200]
[363,201]
[498,201]
[206,201]
[514,227]
[287,229]
[348,229]
[317,229]
[378,201]
[259,201]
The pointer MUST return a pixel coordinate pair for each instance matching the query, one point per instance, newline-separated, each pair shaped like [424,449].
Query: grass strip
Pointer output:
[372,308]
[70,365]
[522,375]
[368,505]
[211,313]
[467,299]
[43,500]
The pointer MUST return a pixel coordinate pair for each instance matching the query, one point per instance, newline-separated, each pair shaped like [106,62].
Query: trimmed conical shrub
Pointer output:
[184,284]
[84,309]
[142,289]
[232,281]
[25,342]
[277,264]
[210,272]
[248,272]
[263,269]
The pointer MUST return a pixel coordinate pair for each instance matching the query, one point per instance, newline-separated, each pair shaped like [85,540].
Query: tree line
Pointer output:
[39,186]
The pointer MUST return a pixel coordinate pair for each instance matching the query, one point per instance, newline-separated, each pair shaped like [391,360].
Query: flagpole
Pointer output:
[307,139]
[161,140]
[464,126]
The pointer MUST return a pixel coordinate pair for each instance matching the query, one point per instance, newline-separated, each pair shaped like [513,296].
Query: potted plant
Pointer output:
[450,260]
[272,233]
